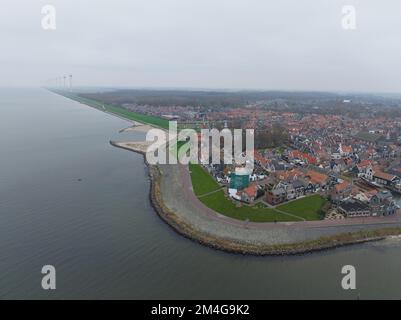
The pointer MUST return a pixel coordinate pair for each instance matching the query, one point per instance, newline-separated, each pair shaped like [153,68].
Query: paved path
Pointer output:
[177,193]
[283,212]
[209,193]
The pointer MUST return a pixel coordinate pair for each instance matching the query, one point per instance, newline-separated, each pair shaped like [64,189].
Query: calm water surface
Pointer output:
[70,199]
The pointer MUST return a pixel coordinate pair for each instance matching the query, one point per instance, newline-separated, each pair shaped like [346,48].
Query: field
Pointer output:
[307,208]
[207,190]
[220,203]
[159,122]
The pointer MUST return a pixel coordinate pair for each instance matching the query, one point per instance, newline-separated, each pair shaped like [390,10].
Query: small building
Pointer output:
[250,193]
[290,191]
[299,187]
[384,179]
[354,208]
[341,191]
[382,203]
[276,196]
[345,150]
[239,179]
[364,169]
[317,179]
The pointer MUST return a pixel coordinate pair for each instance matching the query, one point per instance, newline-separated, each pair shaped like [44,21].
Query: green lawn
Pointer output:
[202,182]
[159,122]
[308,208]
[218,202]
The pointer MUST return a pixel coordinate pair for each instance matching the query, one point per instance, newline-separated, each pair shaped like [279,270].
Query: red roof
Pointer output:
[317,177]
[303,156]
[262,160]
[384,176]
[364,163]
[347,149]
[251,191]
[341,186]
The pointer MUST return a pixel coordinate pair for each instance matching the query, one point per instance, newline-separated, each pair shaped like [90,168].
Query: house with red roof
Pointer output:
[317,179]
[345,150]
[384,179]
[261,160]
[309,159]
[249,194]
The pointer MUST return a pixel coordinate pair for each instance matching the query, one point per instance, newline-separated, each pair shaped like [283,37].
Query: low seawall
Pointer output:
[190,231]
[212,241]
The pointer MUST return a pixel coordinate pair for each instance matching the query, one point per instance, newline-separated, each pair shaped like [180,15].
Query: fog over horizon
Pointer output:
[294,45]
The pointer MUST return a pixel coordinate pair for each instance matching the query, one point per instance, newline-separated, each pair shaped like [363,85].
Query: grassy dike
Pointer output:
[118,111]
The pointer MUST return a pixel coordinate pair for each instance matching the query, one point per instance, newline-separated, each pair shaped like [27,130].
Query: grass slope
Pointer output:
[202,183]
[220,203]
[156,121]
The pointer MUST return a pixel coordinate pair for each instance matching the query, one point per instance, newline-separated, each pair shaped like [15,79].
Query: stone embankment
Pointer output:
[172,198]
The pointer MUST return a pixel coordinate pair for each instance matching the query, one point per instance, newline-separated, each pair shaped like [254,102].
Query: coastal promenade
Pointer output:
[177,194]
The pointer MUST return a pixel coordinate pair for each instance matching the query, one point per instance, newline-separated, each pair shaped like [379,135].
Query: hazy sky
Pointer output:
[265,44]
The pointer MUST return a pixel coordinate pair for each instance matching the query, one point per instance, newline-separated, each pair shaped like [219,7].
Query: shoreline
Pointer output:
[187,230]
[239,245]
